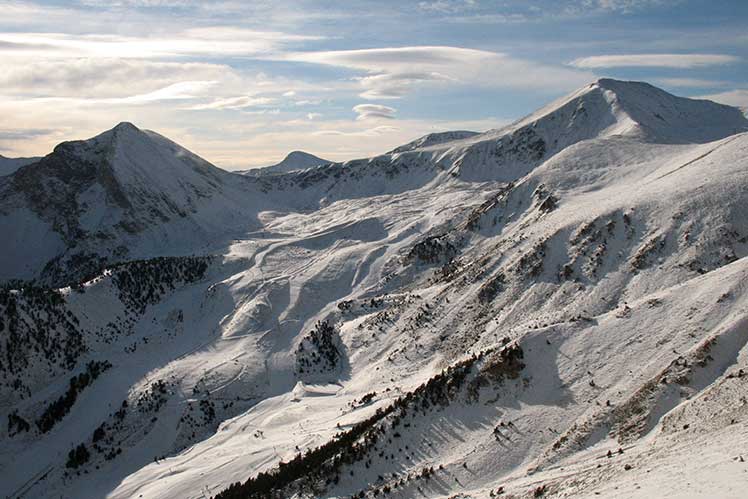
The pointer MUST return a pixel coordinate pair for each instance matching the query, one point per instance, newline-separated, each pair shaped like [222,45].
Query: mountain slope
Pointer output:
[454,320]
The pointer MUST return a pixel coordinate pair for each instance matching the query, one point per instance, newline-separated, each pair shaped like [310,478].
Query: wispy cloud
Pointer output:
[493,18]
[654,60]
[396,85]
[137,3]
[241,102]
[100,78]
[369,132]
[447,6]
[374,111]
[392,72]
[690,82]
[23,133]
[627,6]
[183,90]
[209,41]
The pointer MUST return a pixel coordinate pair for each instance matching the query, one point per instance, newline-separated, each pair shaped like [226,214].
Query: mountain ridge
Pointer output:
[456,319]
[141,181]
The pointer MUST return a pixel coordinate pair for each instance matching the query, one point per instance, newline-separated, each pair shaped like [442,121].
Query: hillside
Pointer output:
[553,309]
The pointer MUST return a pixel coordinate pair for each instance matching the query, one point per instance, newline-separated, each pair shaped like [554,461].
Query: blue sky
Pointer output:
[243,83]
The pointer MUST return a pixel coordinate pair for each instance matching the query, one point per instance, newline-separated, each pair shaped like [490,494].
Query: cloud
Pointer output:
[398,59]
[393,72]
[737,98]
[690,82]
[627,6]
[313,116]
[12,138]
[184,90]
[492,18]
[307,102]
[654,60]
[177,91]
[208,41]
[395,85]
[23,133]
[241,102]
[137,3]
[447,6]
[374,111]
[369,132]
[101,78]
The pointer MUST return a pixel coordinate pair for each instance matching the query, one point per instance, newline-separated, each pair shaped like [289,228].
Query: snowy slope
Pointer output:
[472,316]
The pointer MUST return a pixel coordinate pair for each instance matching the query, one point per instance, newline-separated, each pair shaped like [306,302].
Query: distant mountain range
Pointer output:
[556,308]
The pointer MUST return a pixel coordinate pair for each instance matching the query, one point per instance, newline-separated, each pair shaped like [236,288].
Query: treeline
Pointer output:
[35,320]
[319,462]
[317,468]
[318,349]
[36,325]
[433,249]
[144,282]
[60,407]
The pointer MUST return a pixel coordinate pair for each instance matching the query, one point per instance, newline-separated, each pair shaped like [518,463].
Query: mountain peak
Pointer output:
[295,160]
[301,156]
[605,82]
[124,130]
[608,107]
[602,109]
[663,117]
[141,173]
[126,126]
[103,142]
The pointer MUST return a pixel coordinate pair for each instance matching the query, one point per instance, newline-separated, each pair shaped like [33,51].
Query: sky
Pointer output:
[242,83]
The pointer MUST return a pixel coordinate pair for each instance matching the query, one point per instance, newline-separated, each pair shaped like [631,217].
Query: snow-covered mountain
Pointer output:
[124,194]
[553,309]
[295,160]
